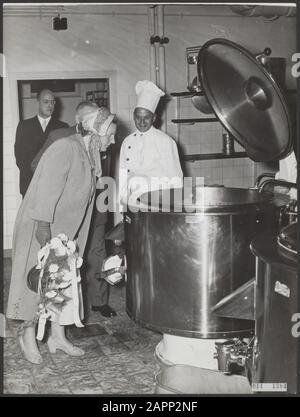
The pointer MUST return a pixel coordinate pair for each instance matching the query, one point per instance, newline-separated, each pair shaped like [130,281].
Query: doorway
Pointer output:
[68,94]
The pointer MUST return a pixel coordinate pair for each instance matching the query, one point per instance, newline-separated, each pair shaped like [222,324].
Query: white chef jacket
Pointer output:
[288,171]
[149,154]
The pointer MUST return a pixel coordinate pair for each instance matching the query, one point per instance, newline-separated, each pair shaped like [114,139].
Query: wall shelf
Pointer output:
[209,156]
[101,97]
[192,121]
[187,94]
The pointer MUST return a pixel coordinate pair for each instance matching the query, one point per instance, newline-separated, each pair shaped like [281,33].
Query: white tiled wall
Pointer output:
[228,172]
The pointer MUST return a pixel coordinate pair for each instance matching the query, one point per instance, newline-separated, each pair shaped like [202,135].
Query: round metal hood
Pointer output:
[246,99]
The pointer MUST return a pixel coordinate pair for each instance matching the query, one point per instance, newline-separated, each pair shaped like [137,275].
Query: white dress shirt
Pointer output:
[151,154]
[44,122]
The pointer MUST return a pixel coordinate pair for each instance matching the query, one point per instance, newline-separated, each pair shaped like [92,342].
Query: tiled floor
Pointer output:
[120,361]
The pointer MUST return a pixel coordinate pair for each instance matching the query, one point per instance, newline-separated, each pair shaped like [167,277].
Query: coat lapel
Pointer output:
[50,126]
[37,124]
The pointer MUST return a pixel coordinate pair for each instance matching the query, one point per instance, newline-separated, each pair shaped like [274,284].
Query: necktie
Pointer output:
[44,125]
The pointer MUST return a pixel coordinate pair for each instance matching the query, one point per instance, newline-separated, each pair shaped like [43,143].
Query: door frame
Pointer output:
[14,77]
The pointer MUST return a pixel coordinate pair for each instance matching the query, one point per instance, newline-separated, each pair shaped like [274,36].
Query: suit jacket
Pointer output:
[30,138]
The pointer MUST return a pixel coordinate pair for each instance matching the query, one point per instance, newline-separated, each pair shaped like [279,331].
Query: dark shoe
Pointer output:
[105,310]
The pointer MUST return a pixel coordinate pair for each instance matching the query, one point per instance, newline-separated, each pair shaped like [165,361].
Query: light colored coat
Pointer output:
[62,193]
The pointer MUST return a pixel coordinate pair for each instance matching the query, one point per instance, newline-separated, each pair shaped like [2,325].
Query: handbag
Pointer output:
[33,278]
[114,269]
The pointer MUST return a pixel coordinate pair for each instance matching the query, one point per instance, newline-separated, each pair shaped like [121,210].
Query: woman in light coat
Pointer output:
[59,200]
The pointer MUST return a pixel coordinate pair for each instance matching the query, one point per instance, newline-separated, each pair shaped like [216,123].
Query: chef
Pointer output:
[149,157]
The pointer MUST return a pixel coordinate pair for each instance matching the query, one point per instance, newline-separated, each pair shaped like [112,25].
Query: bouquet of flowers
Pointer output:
[59,263]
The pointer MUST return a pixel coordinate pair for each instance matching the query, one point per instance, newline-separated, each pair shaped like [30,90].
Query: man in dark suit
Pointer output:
[31,135]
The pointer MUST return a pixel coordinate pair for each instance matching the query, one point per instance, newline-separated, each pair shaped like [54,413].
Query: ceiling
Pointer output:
[46,9]
[52,9]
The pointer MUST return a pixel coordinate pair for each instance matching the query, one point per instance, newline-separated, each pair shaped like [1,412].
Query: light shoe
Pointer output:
[33,357]
[69,349]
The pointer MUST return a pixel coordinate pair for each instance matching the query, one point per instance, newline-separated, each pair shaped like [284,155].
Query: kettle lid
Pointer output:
[246,99]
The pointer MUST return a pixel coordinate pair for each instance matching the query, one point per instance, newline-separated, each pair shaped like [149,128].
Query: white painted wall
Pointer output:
[118,44]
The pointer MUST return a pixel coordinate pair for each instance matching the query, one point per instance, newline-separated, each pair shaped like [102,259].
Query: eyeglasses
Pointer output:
[45,101]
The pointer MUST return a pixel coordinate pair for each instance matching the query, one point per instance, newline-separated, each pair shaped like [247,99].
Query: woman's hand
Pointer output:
[43,233]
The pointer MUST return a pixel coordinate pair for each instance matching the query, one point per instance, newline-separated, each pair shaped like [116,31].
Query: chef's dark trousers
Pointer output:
[95,253]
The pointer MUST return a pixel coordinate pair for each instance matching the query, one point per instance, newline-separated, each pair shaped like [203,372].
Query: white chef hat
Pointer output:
[148,95]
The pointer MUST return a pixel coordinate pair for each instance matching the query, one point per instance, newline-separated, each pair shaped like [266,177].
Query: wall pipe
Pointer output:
[152,51]
[161,58]
[161,48]
[155,40]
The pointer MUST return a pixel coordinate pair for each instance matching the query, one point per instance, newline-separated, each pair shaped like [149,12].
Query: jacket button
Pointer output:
[127,159]
[129,147]
[128,170]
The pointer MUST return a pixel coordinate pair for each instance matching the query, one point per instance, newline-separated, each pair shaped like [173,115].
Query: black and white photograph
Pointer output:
[150,201]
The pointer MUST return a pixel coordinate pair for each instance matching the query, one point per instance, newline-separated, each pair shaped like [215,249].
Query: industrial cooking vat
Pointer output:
[180,264]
